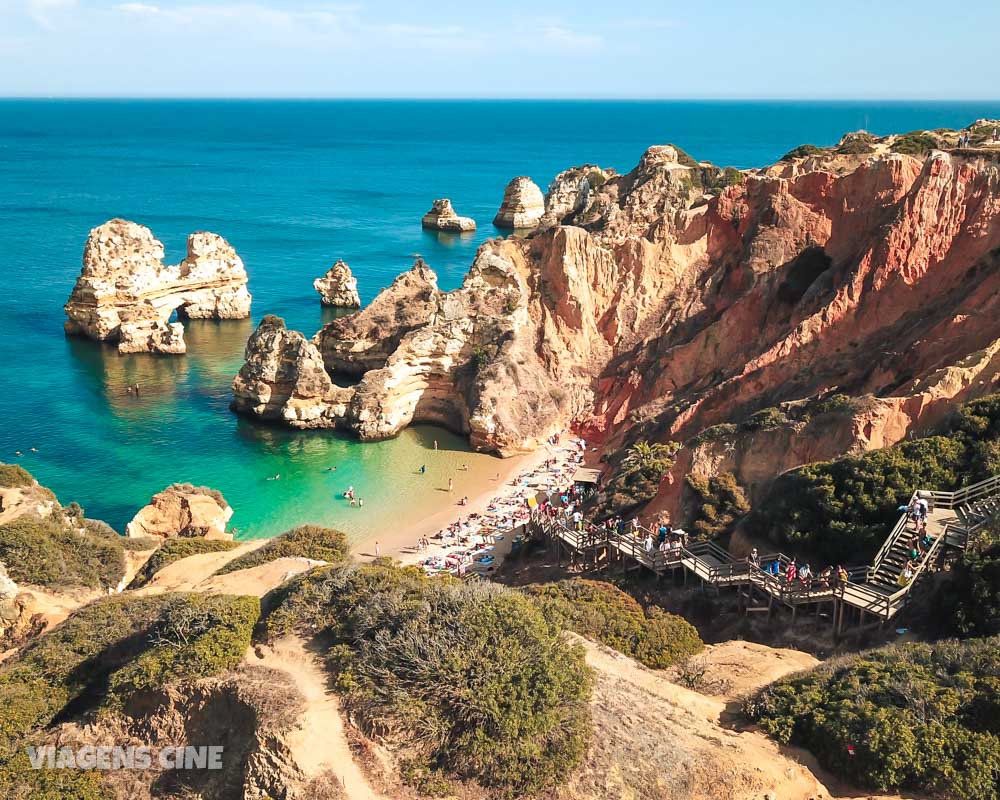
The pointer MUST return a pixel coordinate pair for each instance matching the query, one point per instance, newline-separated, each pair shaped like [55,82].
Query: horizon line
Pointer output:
[488,99]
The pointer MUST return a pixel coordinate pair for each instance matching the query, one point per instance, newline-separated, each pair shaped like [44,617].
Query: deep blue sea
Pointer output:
[293,186]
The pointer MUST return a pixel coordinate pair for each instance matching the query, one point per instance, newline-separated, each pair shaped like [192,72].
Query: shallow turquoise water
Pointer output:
[293,186]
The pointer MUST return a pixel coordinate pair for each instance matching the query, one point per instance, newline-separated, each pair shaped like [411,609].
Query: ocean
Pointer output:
[293,185]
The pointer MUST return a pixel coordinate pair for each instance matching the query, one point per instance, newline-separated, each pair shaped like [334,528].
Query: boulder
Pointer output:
[126,294]
[522,207]
[339,287]
[183,511]
[442,217]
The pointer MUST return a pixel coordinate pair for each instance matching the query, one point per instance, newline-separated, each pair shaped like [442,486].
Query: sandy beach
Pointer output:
[482,490]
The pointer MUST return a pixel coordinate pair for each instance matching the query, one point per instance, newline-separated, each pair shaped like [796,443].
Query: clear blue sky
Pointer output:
[516,48]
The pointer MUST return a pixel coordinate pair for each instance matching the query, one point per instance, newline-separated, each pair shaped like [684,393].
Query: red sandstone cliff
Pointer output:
[661,302]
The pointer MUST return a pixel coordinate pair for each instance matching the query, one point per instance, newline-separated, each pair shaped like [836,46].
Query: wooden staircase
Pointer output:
[875,589]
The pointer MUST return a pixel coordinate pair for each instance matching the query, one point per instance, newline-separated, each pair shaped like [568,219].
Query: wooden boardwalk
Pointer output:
[873,590]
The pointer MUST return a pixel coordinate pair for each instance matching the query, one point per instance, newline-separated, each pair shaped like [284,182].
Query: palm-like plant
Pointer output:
[649,459]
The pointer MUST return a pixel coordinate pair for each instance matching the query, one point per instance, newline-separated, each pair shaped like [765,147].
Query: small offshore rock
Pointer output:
[442,217]
[339,287]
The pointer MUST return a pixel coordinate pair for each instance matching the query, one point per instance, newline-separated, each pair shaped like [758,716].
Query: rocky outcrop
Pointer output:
[442,217]
[127,295]
[339,287]
[678,296]
[522,206]
[185,511]
[570,193]
[19,618]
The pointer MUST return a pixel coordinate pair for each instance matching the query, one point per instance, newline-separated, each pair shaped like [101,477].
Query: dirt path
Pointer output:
[320,744]
[186,573]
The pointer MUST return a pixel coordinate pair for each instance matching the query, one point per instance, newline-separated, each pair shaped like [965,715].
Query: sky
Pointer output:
[876,49]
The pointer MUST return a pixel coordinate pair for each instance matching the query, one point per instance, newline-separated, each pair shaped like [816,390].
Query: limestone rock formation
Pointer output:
[523,205]
[19,620]
[126,294]
[339,287]
[184,511]
[569,195]
[681,295]
[442,217]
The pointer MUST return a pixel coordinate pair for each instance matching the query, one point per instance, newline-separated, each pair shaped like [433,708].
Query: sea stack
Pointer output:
[126,294]
[339,287]
[442,217]
[523,205]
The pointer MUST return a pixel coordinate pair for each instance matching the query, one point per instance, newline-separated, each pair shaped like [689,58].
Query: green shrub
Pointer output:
[14,477]
[636,479]
[967,601]
[916,143]
[72,659]
[721,501]
[47,552]
[915,716]
[834,404]
[716,433]
[859,143]
[765,419]
[195,636]
[173,550]
[841,511]
[306,541]
[471,679]
[600,611]
[683,158]
[117,644]
[802,151]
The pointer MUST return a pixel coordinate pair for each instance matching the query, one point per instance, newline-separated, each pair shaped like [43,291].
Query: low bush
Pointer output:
[802,151]
[721,501]
[174,550]
[765,419]
[471,679]
[120,642]
[46,551]
[916,716]
[716,433]
[967,601]
[14,477]
[195,636]
[605,613]
[306,541]
[916,143]
[841,511]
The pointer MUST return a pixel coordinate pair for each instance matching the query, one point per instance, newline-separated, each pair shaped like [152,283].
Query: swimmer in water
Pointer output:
[275,477]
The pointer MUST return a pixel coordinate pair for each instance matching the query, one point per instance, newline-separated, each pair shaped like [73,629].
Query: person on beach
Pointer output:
[361,502]
[435,444]
[464,467]
[378,549]
[451,484]
[423,469]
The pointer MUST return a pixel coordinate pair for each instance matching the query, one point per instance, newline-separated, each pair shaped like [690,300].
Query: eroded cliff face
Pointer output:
[677,296]
[126,294]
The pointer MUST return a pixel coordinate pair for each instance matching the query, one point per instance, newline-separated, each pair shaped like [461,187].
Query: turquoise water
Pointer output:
[293,186]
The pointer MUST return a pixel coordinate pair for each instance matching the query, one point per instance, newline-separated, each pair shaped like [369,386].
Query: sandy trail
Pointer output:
[320,744]
[661,740]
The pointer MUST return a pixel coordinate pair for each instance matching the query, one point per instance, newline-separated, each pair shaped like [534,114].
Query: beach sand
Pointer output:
[480,484]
